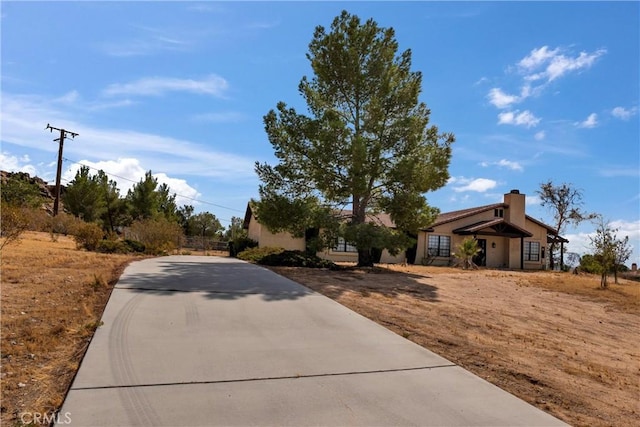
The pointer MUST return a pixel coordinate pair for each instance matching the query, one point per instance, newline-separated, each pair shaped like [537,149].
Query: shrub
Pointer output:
[13,223]
[256,254]
[240,244]
[296,259]
[88,235]
[134,245]
[158,235]
[113,247]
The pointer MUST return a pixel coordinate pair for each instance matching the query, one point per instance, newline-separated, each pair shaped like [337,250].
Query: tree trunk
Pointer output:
[603,280]
[365,258]
[552,250]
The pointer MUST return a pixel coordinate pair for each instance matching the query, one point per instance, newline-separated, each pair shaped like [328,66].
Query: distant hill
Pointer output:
[47,191]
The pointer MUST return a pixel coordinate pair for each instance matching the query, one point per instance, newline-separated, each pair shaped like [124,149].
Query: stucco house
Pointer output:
[506,235]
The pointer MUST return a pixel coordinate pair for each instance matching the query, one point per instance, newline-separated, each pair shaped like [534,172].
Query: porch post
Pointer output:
[521,252]
[561,255]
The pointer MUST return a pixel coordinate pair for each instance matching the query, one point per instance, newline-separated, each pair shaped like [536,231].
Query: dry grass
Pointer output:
[52,298]
[553,339]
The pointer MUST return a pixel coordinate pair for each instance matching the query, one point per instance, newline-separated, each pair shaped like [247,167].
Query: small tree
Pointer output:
[609,251]
[206,225]
[565,203]
[466,251]
[84,197]
[13,223]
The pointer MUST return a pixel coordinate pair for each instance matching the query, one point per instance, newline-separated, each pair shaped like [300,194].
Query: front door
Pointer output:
[481,258]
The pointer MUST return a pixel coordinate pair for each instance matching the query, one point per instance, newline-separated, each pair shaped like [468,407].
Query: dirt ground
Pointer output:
[553,339]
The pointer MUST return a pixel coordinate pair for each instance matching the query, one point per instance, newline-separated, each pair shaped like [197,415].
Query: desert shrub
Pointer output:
[134,245]
[256,254]
[241,244]
[296,259]
[64,224]
[12,224]
[113,247]
[88,235]
[158,235]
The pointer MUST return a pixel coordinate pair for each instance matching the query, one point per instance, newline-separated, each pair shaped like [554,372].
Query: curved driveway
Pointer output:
[216,341]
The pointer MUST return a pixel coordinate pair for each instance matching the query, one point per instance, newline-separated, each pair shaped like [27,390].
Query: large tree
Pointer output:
[565,203]
[366,143]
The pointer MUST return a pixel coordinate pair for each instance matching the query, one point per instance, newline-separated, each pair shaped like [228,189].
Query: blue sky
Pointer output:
[532,90]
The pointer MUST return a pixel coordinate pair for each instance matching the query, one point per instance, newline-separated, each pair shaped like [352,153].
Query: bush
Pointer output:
[296,259]
[112,247]
[279,257]
[158,235]
[256,254]
[88,235]
[241,244]
[135,246]
[13,223]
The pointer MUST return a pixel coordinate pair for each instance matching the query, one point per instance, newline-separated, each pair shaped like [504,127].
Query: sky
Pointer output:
[533,91]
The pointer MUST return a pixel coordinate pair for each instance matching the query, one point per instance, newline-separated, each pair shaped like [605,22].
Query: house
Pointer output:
[506,235]
[342,252]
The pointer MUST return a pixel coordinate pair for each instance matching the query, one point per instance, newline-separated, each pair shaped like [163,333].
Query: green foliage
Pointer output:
[367,142]
[255,254]
[280,257]
[88,235]
[109,246]
[158,235]
[589,264]
[84,197]
[13,223]
[296,259]
[609,251]
[241,244]
[19,190]
[370,236]
[135,246]
[63,223]
[235,229]
[142,198]
[465,252]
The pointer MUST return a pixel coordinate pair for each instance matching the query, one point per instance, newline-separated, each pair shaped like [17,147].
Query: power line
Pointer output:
[135,182]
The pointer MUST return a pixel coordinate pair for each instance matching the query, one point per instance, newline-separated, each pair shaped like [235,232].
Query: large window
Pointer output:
[343,246]
[439,245]
[532,251]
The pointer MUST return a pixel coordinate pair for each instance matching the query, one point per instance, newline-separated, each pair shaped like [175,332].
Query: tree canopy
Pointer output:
[366,143]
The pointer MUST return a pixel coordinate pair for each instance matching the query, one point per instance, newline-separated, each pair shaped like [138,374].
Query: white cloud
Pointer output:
[505,164]
[126,172]
[581,242]
[537,57]
[500,99]
[11,163]
[533,200]
[539,136]
[624,114]
[525,118]
[510,165]
[549,65]
[479,184]
[149,41]
[155,86]
[590,122]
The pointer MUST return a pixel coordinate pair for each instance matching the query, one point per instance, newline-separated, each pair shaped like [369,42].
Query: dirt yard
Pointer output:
[553,339]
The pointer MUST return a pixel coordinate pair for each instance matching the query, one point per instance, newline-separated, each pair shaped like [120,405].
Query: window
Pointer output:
[439,245]
[532,251]
[343,246]
[498,213]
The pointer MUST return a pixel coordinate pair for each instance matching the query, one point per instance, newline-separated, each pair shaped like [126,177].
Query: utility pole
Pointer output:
[63,134]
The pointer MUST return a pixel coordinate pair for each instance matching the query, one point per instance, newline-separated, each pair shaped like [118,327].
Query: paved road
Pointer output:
[215,341]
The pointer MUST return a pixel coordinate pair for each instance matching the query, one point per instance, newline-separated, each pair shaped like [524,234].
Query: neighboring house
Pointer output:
[342,252]
[507,237]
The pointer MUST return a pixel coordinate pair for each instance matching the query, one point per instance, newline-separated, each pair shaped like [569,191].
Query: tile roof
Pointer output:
[446,217]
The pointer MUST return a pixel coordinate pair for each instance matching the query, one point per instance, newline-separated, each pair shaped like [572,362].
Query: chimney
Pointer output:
[515,212]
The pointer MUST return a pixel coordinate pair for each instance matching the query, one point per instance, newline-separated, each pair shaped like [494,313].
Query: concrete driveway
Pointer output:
[208,341]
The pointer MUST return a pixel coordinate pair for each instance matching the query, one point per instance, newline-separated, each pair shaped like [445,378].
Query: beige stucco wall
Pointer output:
[265,238]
